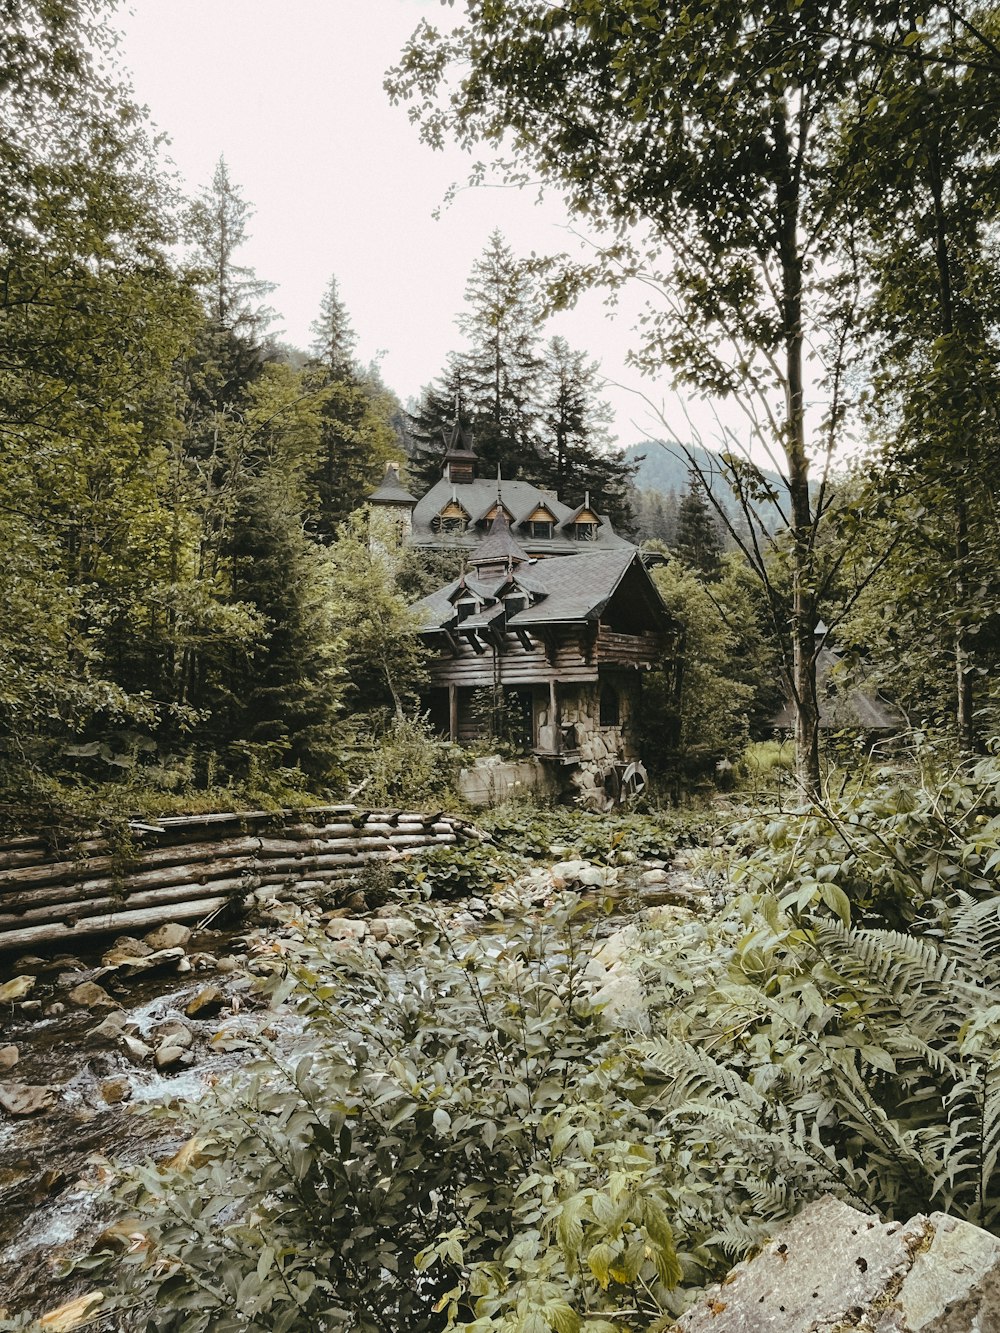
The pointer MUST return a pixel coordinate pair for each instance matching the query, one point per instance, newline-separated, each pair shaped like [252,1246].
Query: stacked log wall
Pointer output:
[189,867]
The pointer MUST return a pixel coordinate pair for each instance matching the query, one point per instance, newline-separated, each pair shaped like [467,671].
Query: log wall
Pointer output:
[189,867]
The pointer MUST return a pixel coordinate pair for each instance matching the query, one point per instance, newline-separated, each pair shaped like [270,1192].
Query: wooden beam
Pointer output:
[525,640]
[474,642]
[453,712]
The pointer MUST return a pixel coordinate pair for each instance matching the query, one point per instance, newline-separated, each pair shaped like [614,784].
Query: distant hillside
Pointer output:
[664,468]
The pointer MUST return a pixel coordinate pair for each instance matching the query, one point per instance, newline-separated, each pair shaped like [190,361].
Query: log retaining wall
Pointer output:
[189,867]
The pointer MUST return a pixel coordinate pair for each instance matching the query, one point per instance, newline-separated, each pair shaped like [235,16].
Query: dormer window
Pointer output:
[465,608]
[452,518]
[541,528]
[585,532]
[514,603]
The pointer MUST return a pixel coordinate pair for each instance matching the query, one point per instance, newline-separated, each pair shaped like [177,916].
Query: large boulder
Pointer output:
[835,1268]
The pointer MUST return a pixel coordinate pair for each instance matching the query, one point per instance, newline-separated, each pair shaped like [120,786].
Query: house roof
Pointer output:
[499,545]
[567,591]
[842,704]
[520,498]
[392,490]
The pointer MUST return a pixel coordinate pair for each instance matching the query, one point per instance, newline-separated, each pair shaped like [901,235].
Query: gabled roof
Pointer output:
[566,592]
[392,490]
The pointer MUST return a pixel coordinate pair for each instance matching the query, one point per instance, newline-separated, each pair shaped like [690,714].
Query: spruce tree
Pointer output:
[698,542]
[574,453]
[333,345]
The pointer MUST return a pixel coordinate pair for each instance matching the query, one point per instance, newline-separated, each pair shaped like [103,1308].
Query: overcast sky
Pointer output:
[292,95]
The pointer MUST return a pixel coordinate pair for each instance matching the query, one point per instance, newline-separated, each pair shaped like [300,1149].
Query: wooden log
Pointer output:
[87,907]
[200,873]
[114,923]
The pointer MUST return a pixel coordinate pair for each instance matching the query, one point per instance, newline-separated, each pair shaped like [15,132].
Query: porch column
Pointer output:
[453,712]
[554,714]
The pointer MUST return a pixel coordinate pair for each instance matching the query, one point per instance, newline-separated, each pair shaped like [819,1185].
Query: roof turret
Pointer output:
[499,547]
[392,491]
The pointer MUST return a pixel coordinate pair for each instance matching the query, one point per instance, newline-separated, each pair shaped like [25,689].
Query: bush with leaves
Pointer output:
[889,851]
[567,830]
[449,1149]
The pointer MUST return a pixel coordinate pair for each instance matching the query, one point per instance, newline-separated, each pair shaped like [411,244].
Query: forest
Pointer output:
[564,1070]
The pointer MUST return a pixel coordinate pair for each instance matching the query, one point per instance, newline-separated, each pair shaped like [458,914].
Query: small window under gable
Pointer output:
[541,522]
[514,602]
[585,526]
[452,518]
[465,608]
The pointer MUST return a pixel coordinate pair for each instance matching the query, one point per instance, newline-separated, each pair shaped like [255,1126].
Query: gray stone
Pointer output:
[833,1268]
[9,1056]
[346,928]
[115,1090]
[168,936]
[173,1034]
[655,877]
[88,995]
[22,1099]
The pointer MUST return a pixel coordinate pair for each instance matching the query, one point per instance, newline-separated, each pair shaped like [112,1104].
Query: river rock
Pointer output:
[148,964]
[206,1003]
[124,948]
[834,1267]
[55,1010]
[347,928]
[173,1034]
[88,995]
[115,1090]
[9,1056]
[16,989]
[168,1056]
[135,1050]
[23,1099]
[168,937]
[226,965]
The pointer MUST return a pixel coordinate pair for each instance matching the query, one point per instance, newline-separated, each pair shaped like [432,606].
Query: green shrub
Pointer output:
[884,852]
[455,872]
[449,1149]
[607,839]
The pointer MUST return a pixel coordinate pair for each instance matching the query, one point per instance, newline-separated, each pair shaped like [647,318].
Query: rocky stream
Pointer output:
[90,1045]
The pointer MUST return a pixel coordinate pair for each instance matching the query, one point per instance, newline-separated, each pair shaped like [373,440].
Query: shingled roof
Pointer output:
[392,490]
[566,591]
[521,499]
[843,706]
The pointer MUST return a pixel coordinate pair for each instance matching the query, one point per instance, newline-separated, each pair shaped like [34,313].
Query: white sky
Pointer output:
[291,93]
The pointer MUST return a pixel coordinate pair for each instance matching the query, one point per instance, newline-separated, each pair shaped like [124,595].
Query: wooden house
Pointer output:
[559,642]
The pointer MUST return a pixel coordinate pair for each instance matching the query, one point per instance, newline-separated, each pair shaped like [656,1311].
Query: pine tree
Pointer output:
[574,453]
[698,542]
[333,346]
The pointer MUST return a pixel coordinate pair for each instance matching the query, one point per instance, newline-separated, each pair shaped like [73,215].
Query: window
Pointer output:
[586,532]
[465,609]
[541,529]
[513,604]
[609,706]
[448,524]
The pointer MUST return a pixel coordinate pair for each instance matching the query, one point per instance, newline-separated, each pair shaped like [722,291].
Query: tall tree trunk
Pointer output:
[803,599]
